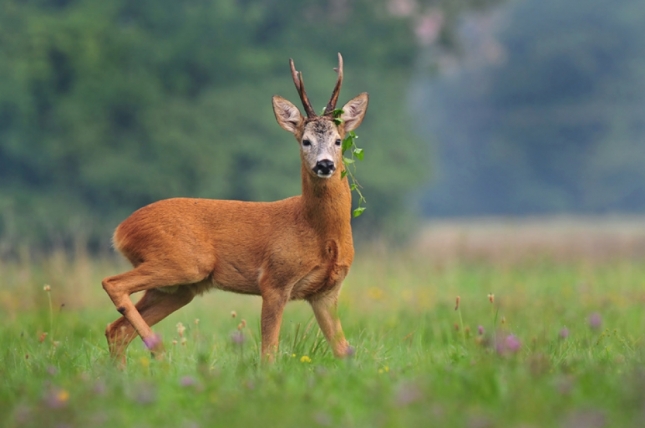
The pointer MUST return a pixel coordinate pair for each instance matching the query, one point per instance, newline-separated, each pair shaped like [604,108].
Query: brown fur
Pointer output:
[296,248]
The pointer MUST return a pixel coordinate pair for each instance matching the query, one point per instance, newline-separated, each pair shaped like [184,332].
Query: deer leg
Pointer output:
[325,310]
[120,287]
[273,303]
[153,306]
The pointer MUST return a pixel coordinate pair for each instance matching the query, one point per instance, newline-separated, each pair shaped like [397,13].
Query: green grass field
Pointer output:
[560,346]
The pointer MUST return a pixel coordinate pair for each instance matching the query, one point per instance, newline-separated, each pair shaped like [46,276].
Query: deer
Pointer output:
[299,248]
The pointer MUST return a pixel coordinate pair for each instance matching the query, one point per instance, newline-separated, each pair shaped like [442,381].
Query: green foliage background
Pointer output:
[558,126]
[108,106]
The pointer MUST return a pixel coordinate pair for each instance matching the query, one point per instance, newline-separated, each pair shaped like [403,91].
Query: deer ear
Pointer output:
[287,115]
[354,111]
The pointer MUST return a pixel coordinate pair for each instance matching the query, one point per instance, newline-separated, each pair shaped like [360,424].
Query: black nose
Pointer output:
[324,167]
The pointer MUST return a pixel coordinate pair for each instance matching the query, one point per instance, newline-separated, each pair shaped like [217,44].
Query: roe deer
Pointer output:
[297,248]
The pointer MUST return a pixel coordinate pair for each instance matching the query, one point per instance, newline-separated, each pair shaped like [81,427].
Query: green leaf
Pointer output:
[347,143]
[359,153]
[343,174]
[353,135]
[338,121]
[348,160]
[353,187]
[358,211]
[338,112]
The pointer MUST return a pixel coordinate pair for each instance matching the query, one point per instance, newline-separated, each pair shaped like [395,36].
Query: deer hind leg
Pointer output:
[143,277]
[325,310]
[153,306]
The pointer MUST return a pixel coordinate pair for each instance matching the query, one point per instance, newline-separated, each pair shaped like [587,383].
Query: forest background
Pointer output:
[478,107]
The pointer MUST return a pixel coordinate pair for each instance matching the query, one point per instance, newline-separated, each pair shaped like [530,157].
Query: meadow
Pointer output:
[548,332]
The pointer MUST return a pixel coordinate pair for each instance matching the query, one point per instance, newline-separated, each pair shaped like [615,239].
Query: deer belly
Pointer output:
[234,280]
[319,280]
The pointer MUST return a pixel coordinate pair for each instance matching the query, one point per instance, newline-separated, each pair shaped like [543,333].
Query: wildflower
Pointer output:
[233,314]
[47,288]
[351,351]
[196,321]
[237,337]
[507,344]
[145,362]
[564,333]
[407,393]
[144,393]
[480,330]
[457,302]
[56,398]
[512,343]
[180,329]
[305,359]
[174,342]
[241,325]
[503,320]
[152,342]
[183,341]
[491,298]
[42,337]
[293,355]
[595,321]
[99,387]
[375,293]
[187,381]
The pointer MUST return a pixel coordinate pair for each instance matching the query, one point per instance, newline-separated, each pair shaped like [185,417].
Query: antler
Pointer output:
[300,86]
[331,105]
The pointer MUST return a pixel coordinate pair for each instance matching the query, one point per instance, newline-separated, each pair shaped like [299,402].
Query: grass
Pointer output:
[562,345]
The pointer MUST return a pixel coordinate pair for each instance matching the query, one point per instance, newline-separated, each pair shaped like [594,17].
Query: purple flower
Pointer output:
[187,381]
[595,321]
[56,398]
[152,342]
[564,333]
[144,393]
[480,330]
[237,338]
[509,344]
[351,351]
[407,393]
[512,343]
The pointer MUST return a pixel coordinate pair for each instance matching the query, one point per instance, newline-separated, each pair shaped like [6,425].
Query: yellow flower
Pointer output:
[375,293]
[145,362]
[62,396]
[305,359]
[293,355]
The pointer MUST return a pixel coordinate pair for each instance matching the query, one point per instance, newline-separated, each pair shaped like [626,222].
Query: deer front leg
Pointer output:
[273,303]
[325,310]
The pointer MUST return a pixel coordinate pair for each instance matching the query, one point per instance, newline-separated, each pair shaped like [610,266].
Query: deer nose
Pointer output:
[324,167]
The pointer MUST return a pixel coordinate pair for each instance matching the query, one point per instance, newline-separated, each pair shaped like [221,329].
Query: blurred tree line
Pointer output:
[108,106]
[556,125]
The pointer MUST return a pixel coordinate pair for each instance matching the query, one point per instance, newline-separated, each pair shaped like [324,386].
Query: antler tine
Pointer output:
[300,86]
[331,105]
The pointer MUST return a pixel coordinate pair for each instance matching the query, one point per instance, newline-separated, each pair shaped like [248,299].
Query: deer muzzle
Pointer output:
[324,168]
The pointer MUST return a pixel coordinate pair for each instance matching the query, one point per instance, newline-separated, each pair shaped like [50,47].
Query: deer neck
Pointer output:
[327,204]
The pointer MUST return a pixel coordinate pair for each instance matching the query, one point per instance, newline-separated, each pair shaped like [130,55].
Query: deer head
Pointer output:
[320,137]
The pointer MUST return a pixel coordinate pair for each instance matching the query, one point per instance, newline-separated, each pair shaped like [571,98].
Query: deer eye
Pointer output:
[306,143]
[338,142]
